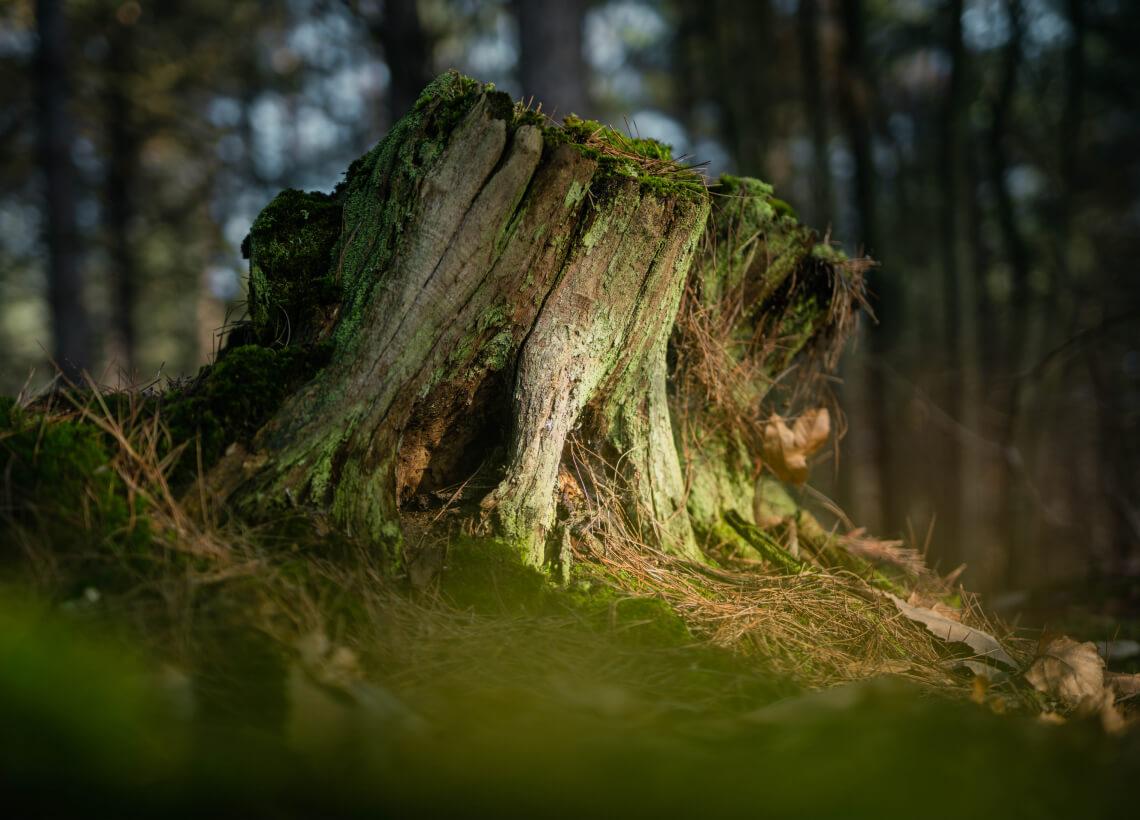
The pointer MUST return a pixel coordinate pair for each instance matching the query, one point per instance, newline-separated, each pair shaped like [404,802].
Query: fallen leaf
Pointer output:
[786,449]
[940,626]
[978,669]
[1102,706]
[1067,671]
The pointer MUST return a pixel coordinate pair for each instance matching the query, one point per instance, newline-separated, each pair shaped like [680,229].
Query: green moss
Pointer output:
[232,399]
[487,576]
[648,161]
[649,622]
[525,116]
[292,276]
[59,475]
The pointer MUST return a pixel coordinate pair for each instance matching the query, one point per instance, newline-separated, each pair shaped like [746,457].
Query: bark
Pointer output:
[501,297]
[71,347]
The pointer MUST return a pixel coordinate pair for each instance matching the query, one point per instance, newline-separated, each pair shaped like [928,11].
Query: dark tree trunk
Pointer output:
[855,100]
[1019,336]
[122,171]
[502,298]
[551,68]
[1069,147]
[959,393]
[407,50]
[807,22]
[1015,247]
[71,348]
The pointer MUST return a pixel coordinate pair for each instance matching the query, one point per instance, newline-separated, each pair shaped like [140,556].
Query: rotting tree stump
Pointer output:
[502,297]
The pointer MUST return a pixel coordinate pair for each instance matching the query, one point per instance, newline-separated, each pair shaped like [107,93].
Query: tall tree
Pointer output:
[551,66]
[122,148]
[856,106]
[815,108]
[1001,110]
[959,392]
[71,346]
[397,27]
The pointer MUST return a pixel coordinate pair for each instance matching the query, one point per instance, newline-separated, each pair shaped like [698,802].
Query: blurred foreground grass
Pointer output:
[609,729]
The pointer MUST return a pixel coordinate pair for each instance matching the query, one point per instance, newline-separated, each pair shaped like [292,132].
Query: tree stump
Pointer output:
[501,295]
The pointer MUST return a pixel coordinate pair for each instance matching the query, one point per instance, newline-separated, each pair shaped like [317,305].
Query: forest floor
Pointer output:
[500,696]
[155,659]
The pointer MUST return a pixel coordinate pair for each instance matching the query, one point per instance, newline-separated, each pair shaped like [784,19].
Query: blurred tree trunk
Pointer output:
[397,27]
[551,67]
[1017,252]
[959,392]
[815,107]
[1069,147]
[1020,337]
[855,102]
[70,328]
[726,56]
[122,175]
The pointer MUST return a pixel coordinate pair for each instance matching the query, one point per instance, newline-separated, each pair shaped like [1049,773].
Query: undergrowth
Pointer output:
[114,528]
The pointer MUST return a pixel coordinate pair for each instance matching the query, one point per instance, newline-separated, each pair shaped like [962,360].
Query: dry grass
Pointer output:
[731,366]
[821,627]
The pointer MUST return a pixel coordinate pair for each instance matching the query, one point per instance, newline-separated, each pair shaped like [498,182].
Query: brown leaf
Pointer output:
[786,449]
[942,627]
[1067,671]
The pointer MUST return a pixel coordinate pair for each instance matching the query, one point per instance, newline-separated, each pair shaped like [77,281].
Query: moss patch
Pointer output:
[292,279]
[648,161]
[487,576]
[232,399]
[59,475]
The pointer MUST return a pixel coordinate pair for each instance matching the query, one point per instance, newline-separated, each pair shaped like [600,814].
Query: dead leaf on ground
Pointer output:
[1067,671]
[940,626]
[786,449]
[978,669]
[1102,706]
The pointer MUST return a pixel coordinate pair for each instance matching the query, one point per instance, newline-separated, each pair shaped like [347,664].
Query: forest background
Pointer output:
[985,152]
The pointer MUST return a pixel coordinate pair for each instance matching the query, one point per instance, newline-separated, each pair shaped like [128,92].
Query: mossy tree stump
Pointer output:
[492,286]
